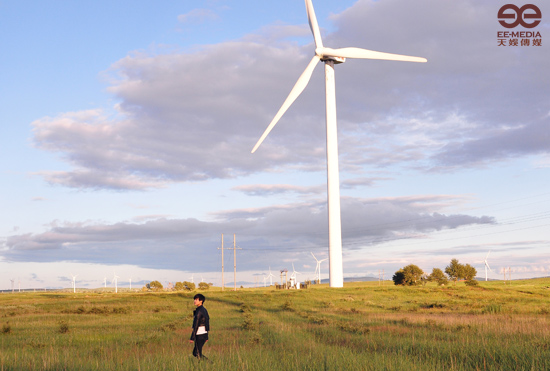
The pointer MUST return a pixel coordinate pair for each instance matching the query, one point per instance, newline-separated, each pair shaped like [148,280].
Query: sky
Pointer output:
[126,130]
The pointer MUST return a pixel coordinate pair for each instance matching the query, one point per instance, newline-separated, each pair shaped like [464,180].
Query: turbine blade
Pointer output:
[366,54]
[298,88]
[313,24]
[487,254]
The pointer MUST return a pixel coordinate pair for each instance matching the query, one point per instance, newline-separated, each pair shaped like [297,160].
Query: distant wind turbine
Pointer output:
[130,283]
[12,285]
[330,57]
[270,277]
[294,273]
[74,282]
[318,268]
[115,280]
[294,277]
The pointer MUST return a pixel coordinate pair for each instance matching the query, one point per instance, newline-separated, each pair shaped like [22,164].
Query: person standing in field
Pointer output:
[201,326]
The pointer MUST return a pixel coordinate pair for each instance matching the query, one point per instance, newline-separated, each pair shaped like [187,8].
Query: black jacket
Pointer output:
[200,318]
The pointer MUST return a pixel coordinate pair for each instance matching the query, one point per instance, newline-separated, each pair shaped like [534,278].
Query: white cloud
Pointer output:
[198,16]
[195,116]
[172,243]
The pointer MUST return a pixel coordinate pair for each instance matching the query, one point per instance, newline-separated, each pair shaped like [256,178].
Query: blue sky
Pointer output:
[126,132]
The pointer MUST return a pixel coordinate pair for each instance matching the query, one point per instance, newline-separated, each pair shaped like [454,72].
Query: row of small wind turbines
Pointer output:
[115,281]
[294,273]
[317,273]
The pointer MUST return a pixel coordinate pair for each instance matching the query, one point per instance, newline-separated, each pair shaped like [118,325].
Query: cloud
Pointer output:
[274,189]
[262,234]
[179,121]
[197,16]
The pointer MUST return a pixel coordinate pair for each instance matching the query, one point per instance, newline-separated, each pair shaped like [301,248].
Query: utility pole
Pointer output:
[235,262]
[223,282]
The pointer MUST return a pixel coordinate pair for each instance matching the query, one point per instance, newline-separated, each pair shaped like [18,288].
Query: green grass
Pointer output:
[362,326]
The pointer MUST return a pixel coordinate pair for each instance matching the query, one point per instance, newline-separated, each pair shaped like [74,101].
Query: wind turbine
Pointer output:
[74,282]
[330,57]
[265,279]
[318,268]
[293,277]
[115,280]
[12,285]
[487,265]
[294,273]
[270,277]
[192,278]
[130,283]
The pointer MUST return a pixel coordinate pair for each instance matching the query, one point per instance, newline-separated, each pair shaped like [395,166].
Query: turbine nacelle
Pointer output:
[325,55]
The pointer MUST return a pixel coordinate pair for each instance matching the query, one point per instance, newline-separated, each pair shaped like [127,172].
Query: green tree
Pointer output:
[204,286]
[438,276]
[408,276]
[179,286]
[455,270]
[188,286]
[155,286]
[470,275]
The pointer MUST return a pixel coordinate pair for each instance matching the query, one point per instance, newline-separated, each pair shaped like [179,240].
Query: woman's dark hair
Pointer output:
[200,297]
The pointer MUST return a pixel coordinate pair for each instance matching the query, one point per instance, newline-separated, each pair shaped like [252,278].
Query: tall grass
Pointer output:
[360,327]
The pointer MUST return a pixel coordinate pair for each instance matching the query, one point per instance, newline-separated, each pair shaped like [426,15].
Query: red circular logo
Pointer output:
[519,16]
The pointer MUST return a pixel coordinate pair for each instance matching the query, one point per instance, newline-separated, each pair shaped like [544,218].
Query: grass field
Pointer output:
[363,326]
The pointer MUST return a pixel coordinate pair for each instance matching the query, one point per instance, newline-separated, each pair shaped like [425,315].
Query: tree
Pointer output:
[438,276]
[155,285]
[204,286]
[469,272]
[179,286]
[188,286]
[455,270]
[408,276]
[470,275]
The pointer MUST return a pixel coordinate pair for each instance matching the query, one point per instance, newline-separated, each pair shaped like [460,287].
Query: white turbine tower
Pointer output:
[12,285]
[130,283]
[192,278]
[318,268]
[270,277]
[487,265]
[265,279]
[115,280]
[74,282]
[294,277]
[330,57]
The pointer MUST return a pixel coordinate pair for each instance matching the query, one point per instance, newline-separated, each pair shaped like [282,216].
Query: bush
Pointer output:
[204,286]
[248,323]
[188,286]
[410,275]
[438,276]
[6,328]
[63,327]
[155,286]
